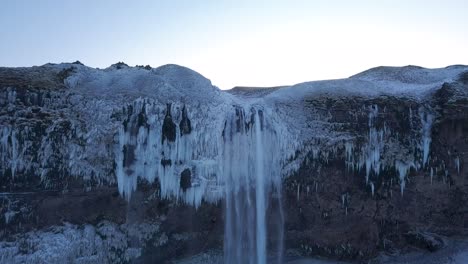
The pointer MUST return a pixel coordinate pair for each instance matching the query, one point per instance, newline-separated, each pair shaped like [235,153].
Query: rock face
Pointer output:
[148,165]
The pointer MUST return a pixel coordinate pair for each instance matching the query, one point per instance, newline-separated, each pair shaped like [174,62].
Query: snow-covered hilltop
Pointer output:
[70,126]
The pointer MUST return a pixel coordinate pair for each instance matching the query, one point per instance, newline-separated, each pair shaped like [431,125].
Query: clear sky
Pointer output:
[249,43]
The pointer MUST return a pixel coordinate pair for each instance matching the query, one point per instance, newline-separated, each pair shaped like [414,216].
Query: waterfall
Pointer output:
[194,162]
[260,192]
[252,172]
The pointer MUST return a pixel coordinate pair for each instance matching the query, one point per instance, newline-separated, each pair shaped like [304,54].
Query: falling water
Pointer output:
[260,193]
[252,172]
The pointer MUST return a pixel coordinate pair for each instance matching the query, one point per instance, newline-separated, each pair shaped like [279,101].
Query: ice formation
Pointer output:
[426,124]
[105,243]
[380,149]
[371,151]
[403,169]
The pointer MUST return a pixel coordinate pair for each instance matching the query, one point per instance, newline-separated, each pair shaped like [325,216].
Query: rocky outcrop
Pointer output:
[147,165]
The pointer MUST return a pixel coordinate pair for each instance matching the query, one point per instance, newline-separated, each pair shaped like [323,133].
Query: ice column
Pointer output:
[426,125]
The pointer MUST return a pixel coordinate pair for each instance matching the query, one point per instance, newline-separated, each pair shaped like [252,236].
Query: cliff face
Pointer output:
[413,194]
[134,164]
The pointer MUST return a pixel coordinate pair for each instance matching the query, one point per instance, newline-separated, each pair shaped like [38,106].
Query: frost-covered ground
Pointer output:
[455,252]
[105,243]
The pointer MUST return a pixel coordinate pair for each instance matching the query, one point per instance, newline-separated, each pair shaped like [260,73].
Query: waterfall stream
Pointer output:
[251,168]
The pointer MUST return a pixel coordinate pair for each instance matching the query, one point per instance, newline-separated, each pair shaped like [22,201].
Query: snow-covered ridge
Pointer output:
[172,82]
[410,81]
[181,82]
[411,74]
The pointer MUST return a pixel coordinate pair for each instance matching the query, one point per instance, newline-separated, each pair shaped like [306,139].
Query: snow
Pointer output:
[410,81]
[168,82]
[105,243]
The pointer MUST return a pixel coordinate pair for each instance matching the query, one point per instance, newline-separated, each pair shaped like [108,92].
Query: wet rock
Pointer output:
[185,179]
[426,240]
[166,162]
[168,127]
[185,124]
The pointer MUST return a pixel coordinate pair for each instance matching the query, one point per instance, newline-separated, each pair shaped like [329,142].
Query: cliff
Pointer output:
[147,165]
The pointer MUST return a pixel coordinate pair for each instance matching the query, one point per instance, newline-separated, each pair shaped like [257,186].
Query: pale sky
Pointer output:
[246,43]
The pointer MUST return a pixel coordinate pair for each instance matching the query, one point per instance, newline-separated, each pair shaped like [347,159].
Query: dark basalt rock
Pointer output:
[147,67]
[240,122]
[119,65]
[166,162]
[425,240]
[168,127]
[260,118]
[464,78]
[65,73]
[128,155]
[77,62]
[185,179]
[185,125]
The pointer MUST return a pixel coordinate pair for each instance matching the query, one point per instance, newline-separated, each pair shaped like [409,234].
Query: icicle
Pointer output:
[11,96]
[371,152]
[298,186]
[349,146]
[403,169]
[426,125]
[344,202]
